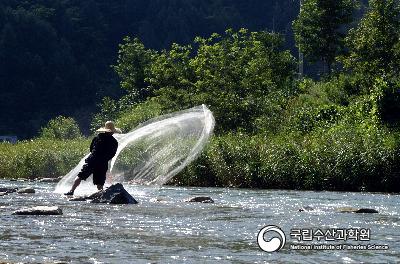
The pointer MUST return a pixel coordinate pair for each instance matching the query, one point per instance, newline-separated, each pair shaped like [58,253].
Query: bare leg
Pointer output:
[76,184]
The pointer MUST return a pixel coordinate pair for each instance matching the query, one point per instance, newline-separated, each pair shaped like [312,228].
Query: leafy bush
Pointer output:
[108,111]
[388,101]
[131,117]
[61,128]
[230,160]
[344,157]
[40,157]
[238,75]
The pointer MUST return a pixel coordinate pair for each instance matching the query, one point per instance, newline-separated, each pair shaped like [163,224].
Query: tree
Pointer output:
[374,45]
[244,77]
[133,62]
[63,48]
[319,29]
[61,128]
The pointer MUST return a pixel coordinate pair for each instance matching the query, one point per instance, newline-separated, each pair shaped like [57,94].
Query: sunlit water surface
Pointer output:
[164,229]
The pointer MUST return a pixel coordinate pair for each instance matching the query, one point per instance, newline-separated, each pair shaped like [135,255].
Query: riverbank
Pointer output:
[40,158]
[339,159]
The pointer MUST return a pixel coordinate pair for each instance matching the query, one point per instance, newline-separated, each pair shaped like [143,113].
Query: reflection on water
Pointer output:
[164,229]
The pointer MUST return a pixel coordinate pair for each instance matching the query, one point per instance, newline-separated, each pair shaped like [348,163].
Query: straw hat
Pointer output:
[109,126]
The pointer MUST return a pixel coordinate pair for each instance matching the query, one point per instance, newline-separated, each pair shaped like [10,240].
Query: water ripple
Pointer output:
[164,229]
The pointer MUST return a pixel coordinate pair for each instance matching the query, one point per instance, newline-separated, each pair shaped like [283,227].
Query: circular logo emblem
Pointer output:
[274,244]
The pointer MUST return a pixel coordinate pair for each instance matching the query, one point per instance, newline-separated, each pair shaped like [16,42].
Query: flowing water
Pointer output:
[164,229]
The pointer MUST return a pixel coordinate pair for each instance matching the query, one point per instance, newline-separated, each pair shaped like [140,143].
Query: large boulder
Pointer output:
[115,194]
[39,210]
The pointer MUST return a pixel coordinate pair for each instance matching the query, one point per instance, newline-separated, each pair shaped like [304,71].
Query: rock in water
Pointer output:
[306,209]
[121,198]
[358,211]
[26,190]
[200,199]
[48,180]
[79,199]
[115,194]
[366,211]
[40,210]
[8,190]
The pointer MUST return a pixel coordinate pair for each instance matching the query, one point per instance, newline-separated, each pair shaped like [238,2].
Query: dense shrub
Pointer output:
[61,128]
[230,160]
[343,157]
[40,157]
[242,76]
[131,117]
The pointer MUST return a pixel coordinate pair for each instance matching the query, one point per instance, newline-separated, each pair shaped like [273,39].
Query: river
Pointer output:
[164,229]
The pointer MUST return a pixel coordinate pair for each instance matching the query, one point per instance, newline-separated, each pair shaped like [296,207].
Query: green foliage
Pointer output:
[344,157]
[134,61]
[230,160]
[41,75]
[40,157]
[320,104]
[108,111]
[374,43]
[319,30]
[242,76]
[133,116]
[55,55]
[272,131]
[61,128]
[388,101]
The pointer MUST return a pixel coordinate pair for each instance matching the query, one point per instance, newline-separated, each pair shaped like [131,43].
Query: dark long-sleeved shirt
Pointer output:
[103,148]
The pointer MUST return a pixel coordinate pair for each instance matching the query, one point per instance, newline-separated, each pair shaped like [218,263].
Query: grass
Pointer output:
[40,157]
[341,158]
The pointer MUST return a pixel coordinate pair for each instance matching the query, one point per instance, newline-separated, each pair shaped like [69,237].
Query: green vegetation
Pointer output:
[273,131]
[55,153]
[374,46]
[329,139]
[40,157]
[244,77]
[341,132]
[319,29]
[55,55]
[61,128]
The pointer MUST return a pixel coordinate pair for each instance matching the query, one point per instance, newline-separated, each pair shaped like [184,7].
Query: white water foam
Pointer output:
[154,152]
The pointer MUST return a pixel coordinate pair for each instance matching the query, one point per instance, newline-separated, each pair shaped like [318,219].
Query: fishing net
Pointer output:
[155,151]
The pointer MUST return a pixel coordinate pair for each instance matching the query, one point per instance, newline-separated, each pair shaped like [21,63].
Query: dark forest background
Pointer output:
[55,55]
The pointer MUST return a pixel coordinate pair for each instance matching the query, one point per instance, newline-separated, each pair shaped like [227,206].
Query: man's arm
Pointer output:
[93,146]
[93,143]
